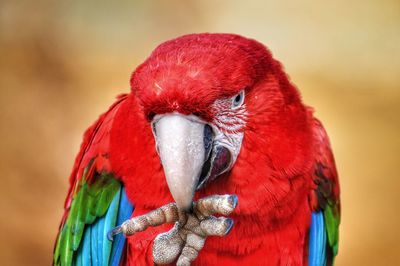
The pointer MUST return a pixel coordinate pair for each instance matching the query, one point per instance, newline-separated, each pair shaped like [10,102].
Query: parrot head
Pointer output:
[203,94]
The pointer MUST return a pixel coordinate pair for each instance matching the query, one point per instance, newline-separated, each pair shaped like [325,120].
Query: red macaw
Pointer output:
[207,114]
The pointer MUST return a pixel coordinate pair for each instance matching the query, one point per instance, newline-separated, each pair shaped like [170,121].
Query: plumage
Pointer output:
[124,212]
[93,205]
[317,240]
[284,176]
[326,194]
[102,198]
[94,244]
[84,254]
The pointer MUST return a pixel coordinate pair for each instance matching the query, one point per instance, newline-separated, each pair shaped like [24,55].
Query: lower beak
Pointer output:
[183,151]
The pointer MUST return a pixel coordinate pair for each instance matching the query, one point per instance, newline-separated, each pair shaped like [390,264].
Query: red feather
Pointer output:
[95,146]
[327,180]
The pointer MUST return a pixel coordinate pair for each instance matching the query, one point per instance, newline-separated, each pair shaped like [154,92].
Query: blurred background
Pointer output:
[63,62]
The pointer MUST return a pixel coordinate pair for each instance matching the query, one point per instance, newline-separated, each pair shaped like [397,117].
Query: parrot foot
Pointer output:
[186,239]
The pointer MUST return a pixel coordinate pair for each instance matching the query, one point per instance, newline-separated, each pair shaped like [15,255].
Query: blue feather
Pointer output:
[110,220]
[87,260]
[124,212]
[95,249]
[312,241]
[84,256]
[324,243]
[317,240]
[100,238]
[94,243]
[78,259]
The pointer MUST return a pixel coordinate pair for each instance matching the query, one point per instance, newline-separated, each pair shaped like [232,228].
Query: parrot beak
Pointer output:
[188,156]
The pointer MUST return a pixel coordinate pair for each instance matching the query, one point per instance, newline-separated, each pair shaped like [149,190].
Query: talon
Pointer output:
[113,232]
[213,226]
[233,200]
[229,223]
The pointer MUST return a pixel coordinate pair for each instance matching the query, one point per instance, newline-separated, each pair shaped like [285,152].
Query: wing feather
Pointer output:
[325,203]
[94,201]
[124,212]
[110,221]
[317,243]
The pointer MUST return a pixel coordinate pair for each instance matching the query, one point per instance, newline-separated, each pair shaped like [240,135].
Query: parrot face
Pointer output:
[207,98]
[194,152]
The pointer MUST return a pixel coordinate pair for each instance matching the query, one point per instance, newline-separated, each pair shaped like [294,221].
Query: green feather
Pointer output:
[332,221]
[89,202]
[77,213]
[106,195]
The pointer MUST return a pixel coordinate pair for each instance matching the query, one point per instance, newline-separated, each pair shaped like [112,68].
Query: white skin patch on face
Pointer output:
[228,124]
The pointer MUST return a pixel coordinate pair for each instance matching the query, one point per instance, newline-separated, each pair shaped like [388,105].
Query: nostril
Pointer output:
[198,114]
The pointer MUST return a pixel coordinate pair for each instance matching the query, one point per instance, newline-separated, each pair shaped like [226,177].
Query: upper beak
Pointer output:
[183,148]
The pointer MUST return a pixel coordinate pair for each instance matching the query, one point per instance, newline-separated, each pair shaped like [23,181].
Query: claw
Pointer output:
[213,226]
[233,200]
[113,232]
[229,224]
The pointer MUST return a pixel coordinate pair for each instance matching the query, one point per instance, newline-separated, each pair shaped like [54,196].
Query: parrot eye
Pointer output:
[238,100]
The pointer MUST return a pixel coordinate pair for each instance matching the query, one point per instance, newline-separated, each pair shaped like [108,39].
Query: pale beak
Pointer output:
[181,146]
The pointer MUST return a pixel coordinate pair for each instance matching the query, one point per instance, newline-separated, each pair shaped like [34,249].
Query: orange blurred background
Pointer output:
[62,63]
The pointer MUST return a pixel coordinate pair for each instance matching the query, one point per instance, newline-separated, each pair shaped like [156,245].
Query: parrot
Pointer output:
[212,126]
